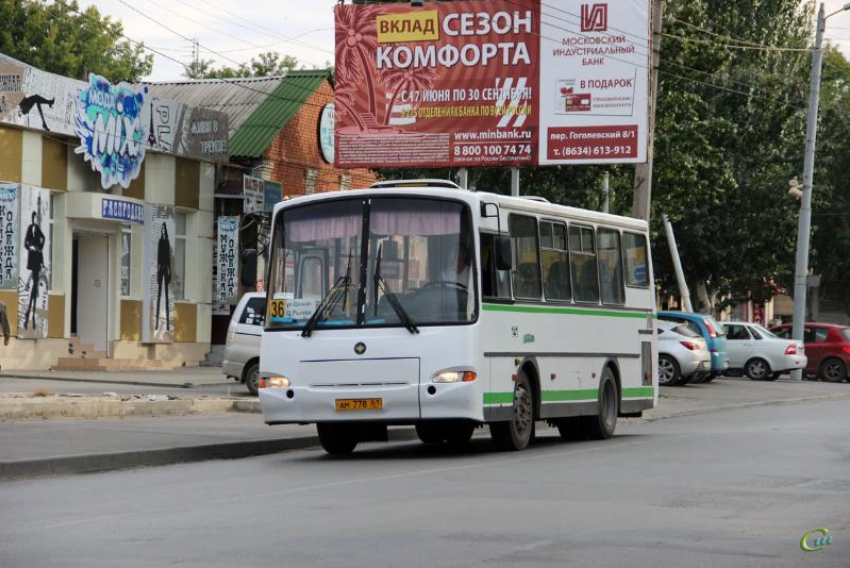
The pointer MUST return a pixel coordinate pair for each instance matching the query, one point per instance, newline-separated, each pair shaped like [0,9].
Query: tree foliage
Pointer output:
[268,64]
[56,38]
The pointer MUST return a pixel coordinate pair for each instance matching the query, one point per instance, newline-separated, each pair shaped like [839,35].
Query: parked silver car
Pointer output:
[759,353]
[244,334]
[682,354]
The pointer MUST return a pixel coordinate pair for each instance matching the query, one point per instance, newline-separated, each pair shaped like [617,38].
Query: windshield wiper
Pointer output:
[341,286]
[381,284]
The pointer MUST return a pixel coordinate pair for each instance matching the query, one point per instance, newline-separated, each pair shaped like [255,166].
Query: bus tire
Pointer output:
[604,424]
[516,434]
[430,432]
[337,439]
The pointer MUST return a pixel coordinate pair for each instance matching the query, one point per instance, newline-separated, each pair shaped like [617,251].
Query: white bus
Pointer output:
[422,303]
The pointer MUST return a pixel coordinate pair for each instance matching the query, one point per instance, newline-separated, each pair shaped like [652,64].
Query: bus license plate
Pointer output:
[359,403]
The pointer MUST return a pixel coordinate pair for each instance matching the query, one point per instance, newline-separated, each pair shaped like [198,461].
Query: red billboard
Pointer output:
[492,83]
[450,84]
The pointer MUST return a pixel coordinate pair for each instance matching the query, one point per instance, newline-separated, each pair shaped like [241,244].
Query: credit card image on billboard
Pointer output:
[577,102]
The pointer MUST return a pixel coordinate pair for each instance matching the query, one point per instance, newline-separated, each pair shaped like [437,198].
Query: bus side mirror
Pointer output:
[504,254]
[489,210]
[248,276]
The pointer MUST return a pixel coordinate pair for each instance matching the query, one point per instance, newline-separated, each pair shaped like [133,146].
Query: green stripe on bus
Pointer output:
[498,398]
[564,311]
[567,395]
[639,392]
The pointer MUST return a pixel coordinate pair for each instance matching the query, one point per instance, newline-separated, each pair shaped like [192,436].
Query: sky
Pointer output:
[238,30]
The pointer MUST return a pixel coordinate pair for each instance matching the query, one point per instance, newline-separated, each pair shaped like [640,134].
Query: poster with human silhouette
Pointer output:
[34,264]
[158,299]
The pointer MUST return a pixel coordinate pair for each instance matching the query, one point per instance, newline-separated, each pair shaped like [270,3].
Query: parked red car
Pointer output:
[827,347]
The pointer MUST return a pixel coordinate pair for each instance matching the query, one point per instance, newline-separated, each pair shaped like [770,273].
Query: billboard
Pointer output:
[158,291]
[34,267]
[492,83]
[9,236]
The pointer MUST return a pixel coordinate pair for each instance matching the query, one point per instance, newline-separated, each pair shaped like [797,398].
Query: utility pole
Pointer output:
[643,172]
[677,264]
[605,193]
[515,182]
[804,227]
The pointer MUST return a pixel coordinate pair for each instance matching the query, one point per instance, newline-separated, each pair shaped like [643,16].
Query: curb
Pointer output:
[114,382]
[738,406]
[94,463]
[98,407]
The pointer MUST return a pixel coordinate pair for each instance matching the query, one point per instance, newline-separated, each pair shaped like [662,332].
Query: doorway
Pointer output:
[90,297]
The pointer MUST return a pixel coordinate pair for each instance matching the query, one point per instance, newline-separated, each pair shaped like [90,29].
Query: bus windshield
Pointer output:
[418,266]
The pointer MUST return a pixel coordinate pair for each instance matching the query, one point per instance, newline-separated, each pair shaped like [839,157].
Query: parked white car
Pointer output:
[244,334]
[682,354]
[759,353]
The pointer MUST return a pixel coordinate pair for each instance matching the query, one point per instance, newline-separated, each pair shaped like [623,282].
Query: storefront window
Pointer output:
[179,268]
[126,247]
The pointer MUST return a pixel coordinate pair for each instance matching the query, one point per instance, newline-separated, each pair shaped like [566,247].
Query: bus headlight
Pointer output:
[454,377]
[275,383]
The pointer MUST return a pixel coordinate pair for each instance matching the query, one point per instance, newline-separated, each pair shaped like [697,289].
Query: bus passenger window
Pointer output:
[610,266]
[634,252]
[526,275]
[556,268]
[494,283]
[583,265]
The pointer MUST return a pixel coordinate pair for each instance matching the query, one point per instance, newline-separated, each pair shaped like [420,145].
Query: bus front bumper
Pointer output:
[398,403]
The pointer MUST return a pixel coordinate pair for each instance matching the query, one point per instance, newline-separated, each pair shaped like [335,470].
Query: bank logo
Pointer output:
[815,540]
[594,17]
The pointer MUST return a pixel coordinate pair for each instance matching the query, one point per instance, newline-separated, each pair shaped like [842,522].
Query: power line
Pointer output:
[735,39]
[734,91]
[735,46]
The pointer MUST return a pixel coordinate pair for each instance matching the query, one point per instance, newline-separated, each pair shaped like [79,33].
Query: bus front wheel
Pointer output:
[517,433]
[337,439]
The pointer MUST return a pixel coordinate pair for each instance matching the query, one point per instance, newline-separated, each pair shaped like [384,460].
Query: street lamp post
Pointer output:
[804,228]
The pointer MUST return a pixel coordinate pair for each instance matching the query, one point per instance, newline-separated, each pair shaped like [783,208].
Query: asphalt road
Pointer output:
[735,488]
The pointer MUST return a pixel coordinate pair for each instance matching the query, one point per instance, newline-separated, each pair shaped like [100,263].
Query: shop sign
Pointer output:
[253,194]
[9,236]
[227,258]
[273,192]
[326,133]
[492,83]
[112,135]
[34,268]
[121,210]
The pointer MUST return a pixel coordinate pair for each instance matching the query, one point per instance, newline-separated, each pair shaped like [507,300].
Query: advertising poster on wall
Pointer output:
[491,83]
[227,259]
[253,194]
[34,265]
[158,293]
[8,236]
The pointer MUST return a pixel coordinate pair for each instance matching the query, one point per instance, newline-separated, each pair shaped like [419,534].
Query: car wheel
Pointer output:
[833,370]
[757,369]
[337,439]
[252,378]
[603,425]
[516,434]
[669,374]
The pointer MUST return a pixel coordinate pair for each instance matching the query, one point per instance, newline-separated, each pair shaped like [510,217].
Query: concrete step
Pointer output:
[79,364]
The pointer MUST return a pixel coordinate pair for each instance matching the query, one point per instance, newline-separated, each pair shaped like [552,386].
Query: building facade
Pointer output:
[107,200]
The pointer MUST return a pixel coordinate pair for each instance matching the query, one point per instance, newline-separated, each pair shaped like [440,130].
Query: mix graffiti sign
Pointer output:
[491,83]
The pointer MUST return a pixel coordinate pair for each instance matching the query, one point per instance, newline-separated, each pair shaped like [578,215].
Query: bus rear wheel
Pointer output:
[337,439]
[516,434]
[603,425]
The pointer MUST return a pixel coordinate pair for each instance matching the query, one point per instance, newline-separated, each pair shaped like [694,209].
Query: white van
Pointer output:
[242,351]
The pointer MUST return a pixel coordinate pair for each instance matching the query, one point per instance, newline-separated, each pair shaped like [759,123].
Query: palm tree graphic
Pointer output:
[410,80]
[356,43]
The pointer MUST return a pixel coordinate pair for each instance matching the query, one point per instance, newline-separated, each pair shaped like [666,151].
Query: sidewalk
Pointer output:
[30,448]
[186,377]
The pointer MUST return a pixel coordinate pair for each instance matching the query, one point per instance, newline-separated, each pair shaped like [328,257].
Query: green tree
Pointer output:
[57,38]
[268,64]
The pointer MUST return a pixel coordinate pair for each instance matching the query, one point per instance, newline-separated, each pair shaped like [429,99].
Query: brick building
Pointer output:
[276,134]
